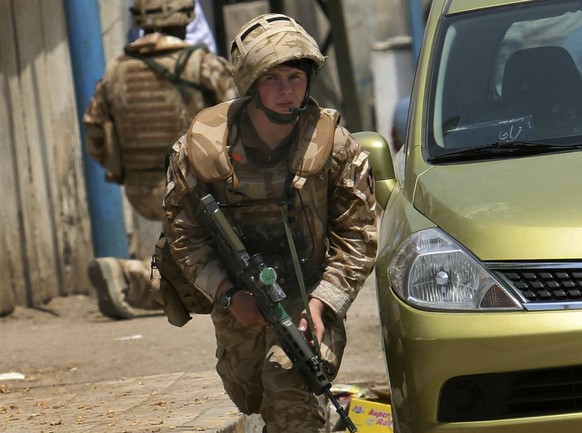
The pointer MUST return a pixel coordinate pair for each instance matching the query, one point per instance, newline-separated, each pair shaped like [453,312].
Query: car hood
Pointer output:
[513,209]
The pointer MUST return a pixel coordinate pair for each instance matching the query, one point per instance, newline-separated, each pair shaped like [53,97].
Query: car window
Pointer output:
[508,75]
[564,30]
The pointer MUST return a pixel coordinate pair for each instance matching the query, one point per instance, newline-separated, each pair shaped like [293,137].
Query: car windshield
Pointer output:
[508,82]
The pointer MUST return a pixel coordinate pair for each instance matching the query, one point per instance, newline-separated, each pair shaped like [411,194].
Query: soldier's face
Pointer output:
[281,88]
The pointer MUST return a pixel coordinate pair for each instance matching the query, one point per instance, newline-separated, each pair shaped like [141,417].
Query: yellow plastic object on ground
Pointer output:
[370,416]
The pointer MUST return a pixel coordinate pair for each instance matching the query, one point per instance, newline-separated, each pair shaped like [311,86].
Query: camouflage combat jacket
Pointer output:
[320,176]
[139,109]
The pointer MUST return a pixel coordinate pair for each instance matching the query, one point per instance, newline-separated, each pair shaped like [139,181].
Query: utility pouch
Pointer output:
[112,162]
[177,297]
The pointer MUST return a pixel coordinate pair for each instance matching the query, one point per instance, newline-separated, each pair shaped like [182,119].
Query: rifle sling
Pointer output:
[299,277]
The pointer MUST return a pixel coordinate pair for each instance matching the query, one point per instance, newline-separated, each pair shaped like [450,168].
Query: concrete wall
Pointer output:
[392,58]
[45,240]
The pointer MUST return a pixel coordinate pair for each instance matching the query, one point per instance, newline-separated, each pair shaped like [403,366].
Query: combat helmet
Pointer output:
[154,14]
[267,41]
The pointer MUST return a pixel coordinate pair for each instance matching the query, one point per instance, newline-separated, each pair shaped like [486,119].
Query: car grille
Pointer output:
[544,283]
[511,395]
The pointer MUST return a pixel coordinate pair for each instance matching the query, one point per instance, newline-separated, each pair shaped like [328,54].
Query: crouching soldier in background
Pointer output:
[143,103]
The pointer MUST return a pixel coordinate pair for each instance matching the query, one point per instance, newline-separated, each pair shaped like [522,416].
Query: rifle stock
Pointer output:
[252,274]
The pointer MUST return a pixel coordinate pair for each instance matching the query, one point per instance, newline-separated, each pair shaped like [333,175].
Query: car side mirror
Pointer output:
[381,162]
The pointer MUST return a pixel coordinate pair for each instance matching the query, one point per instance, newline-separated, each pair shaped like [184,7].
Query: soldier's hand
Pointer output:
[317,309]
[243,305]
[245,310]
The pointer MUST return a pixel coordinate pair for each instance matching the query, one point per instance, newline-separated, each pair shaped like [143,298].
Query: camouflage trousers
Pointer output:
[258,376]
[137,274]
[145,196]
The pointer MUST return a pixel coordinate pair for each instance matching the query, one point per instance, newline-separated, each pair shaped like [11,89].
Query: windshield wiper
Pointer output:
[511,149]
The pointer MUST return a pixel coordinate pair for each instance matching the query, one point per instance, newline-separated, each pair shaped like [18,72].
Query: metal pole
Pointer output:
[277,6]
[219,28]
[417,24]
[105,200]
[351,103]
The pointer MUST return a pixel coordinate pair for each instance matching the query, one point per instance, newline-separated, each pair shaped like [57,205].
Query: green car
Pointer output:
[479,268]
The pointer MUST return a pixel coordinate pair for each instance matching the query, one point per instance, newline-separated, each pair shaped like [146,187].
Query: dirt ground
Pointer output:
[69,341]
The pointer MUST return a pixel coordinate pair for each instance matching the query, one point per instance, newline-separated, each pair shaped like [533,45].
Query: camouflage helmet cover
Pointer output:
[152,14]
[266,41]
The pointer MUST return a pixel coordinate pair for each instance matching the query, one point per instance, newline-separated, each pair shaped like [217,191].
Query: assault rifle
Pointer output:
[252,274]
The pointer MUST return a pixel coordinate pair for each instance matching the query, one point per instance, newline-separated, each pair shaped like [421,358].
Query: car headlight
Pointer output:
[432,271]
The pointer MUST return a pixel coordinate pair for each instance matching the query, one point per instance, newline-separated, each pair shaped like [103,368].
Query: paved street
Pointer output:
[84,373]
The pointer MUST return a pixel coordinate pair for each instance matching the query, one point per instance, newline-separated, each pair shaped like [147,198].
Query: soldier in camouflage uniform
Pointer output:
[274,148]
[146,100]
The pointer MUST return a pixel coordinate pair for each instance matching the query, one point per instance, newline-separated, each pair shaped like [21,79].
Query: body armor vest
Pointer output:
[153,114]
[253,189]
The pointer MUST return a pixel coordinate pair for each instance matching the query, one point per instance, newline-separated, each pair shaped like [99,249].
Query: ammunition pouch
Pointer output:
[175,294]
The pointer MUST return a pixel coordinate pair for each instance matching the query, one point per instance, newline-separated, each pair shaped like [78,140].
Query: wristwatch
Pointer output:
[225,299]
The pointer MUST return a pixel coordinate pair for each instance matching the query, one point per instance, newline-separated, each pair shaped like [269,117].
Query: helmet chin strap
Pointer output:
[280,118]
